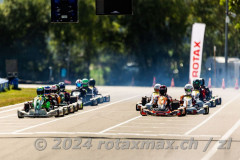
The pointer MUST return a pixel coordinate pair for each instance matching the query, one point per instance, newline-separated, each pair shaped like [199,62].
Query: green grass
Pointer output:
[17,96]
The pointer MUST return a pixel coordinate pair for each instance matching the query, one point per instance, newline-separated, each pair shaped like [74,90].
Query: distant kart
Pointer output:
[143,102]
[196,96]
[56,110]
[198,108]
[90,98]
[161,109]
[214,100]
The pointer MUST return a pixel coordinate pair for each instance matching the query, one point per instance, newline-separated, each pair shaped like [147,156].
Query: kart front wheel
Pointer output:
[137,109]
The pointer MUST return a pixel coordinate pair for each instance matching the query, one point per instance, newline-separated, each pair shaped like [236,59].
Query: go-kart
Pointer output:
[161,109]
[198,108]
[201,103]
[211,98]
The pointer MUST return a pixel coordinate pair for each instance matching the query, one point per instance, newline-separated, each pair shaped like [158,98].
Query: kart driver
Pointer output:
[65,96]
[188,93]
[85,84]
[196,86]
[163,92]
[92,83]
[205,89]
[40,96]
[54,90]
[154,97]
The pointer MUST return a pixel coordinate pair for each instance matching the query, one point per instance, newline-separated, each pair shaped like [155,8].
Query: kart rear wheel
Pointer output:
[219,101]
[57,115]
[181,113]
[137,109]
[206,110]
[185,112]
[26,107]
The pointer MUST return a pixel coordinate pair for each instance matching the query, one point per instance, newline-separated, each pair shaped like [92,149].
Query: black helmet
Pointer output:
[40,91]
[92,82]
[202,82]
[61,86]
[196,84]
[163,90]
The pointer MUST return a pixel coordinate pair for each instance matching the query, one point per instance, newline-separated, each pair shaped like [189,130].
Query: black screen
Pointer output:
[111,7]
[64,10]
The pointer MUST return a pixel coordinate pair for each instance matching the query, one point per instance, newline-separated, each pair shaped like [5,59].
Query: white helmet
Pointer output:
[157,87]
[188,89]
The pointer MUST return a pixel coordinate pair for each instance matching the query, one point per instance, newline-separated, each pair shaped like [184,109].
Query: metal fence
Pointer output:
[3,84]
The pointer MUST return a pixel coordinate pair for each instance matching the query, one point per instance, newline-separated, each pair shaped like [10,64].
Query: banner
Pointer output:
[198,31]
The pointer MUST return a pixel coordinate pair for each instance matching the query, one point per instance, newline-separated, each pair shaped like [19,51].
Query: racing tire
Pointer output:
[66,113]
[26,107]
[185,112]
[137,109]
[219,101]
[20,115]
[181,113]
[57,114]
[211,102]
[75,108]
[206,111]
[80,106]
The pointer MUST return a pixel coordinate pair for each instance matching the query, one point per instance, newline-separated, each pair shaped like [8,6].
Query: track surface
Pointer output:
[118,120]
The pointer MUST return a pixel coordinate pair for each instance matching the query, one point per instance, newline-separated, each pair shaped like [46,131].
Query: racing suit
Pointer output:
[45,104]
[206,92]
[169,101]
[154,97]
[182,99]
[65,96]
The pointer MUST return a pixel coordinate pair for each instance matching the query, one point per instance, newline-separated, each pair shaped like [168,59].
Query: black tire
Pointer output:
[181,111]
[20,115]
[81,106]
[185,112]
[211,102]
[75,108]
[220,101]
[67,112]
[26,107]
[137,109]
[73,99]
[57,113]
[206,111]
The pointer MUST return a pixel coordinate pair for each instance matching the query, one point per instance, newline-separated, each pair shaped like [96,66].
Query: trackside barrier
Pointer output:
[3,84]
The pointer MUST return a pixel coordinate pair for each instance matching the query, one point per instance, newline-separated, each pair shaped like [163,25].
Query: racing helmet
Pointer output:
[157,87]
[196,84]
[92,82]
[61,86]
[163,90]
[58,87]
[40,91]
[54,89]
[47,90]
[202,82]
[188,89]
[78,83]
[85,82]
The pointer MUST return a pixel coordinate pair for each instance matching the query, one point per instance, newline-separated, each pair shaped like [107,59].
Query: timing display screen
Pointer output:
[111,7]
[64,11]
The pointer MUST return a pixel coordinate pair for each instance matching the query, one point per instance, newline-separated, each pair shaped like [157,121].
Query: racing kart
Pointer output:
[143,102]
[161,109]
[35,109]
[198,108]
[201,103]
[211,98]
[90,98]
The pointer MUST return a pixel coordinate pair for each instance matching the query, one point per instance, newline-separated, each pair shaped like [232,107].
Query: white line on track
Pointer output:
[11,115]
[41,124]
[146,127]
[211,116]
[224,137]
[11,110]
[10,106]
[105,130]
[106,134]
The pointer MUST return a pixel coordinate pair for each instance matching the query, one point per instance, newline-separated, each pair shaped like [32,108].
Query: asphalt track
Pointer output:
[119,121]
